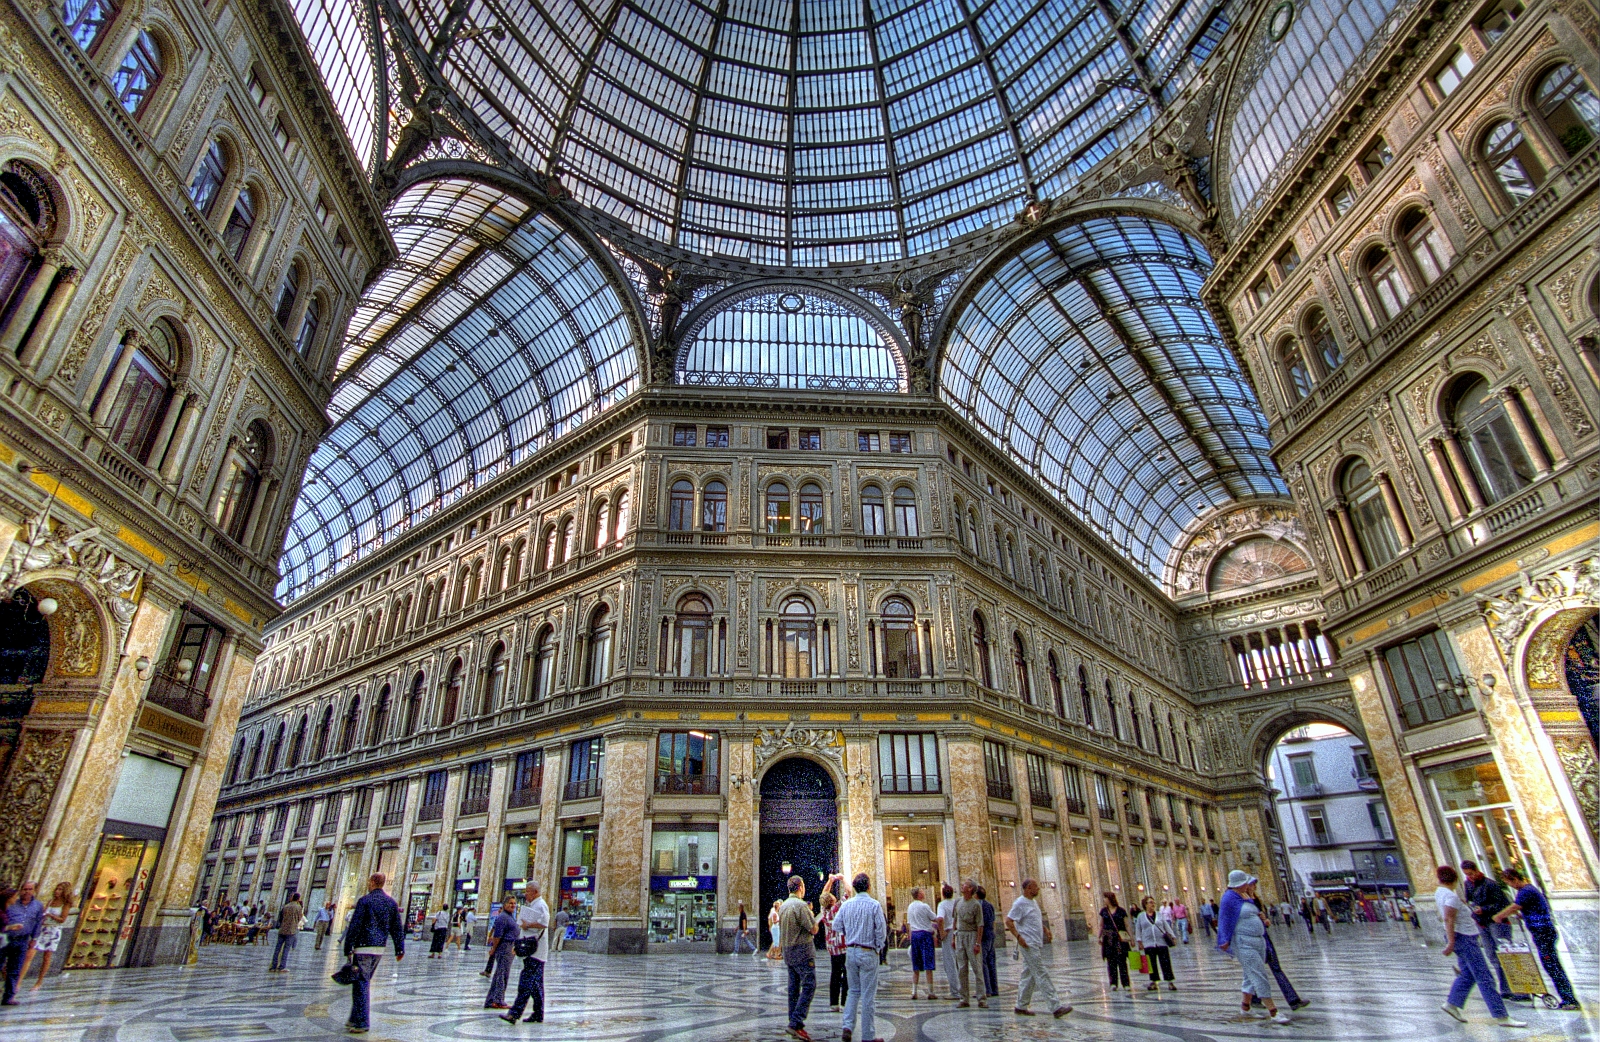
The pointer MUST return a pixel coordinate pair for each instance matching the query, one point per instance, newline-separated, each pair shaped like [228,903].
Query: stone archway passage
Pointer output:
[799,831]
[1563,678]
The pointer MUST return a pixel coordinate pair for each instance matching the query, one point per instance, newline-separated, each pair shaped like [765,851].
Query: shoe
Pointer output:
[963,1004]
[983,1004]
[1171,986]
[1019,1011]
[1152,986]
[1061,1011]
[801,1034]
[534,1020]
[1259,1014]
[351,1029]
[495,1005]
[1571,1007]
[1299,1004]
[1507,1022]
[10,1002]
[508,1018]
[847,1035]
[1281,1017]
[1454,1012]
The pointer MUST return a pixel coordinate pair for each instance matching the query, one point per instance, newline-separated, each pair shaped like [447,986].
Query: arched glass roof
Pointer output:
[795,133]
[791,339]
[494,332]
[1090,357]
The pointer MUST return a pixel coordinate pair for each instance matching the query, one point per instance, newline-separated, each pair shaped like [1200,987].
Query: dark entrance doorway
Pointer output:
[799,832]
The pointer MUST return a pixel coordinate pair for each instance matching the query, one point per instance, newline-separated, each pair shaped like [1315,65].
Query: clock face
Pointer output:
[1282,17]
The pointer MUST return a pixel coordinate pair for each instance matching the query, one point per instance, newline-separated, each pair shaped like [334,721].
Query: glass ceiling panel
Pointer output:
[1090,357]
[791,340]
[710,126]
[494,333]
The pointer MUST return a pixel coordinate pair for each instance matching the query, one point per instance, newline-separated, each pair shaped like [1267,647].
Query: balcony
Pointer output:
[586,789]
[1041,799]
[475,805]
[890,784]
[430,812]
[1368,783]
[687,784]
[255,837]
[1107,814]
[275,835]
[392,818]
[1211,833]
[359,822]
[1135,818]
[999,789]
[302,830]
[216,842]
[1307,791]
[330,826]
[168,692]
[1075,806]
[1157,824]
[523,797]
[1194,830]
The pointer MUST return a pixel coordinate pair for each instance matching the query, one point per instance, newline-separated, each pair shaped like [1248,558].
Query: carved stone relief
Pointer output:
[35,772]
[771,743]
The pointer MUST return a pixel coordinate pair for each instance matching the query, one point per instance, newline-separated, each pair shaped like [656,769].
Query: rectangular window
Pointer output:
[583,772]
[269,872]
[900,441]
[1304,770]
[867,441]
[330,815]
[777,437]
[908,763]
[1317,825]
[527,778]
[394,802]
[1261,290]
[280,134]
[1450,75]
[1103,799]
[684,435]
[1365,768]
[1287,260]
[1342,198]
[997,770]
[1377,156]
[1378,814]
[716,437]
[475,787]
[686,763]
[1423,672]
[1039,781]
[433,789]
[810,438]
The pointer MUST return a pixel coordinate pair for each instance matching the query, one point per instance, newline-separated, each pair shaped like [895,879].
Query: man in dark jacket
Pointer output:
[1486,897]
[373,922]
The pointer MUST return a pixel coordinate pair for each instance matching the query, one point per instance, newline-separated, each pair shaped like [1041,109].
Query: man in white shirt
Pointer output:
[945,930]
[1026,923]
[533,922]
[921,922]
[861,923]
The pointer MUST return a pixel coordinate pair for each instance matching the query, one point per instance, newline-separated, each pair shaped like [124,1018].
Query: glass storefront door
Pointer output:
[469,865]
[519,858]
[1479,818]
[912,858]
[683,883]
[117,886]
[577,879]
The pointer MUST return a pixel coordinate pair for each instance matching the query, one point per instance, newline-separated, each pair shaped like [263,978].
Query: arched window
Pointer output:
[693,636]
[797,638]
[1369,516]
[1084,697]
[1133,718]
[902,655]
[1019,663]
[459,601]
[236,234]
[680,512]
[494,682]
[255,756]
[779,513]
[1570,109]
[1513,161]
[1058,698]
[599,664]
[276,749]
[569,539]
[551,537]
[1429,249]
[1295,372]
[414,704]
[872,519]
[297,746]
[1172,729]
[1388,289]
[352,720]
[1155,730]
[623,515]
[140,400]
[602,524]
[241,479]
[714,507]
[136,79]
[452,695]
[1323,345]
[288,296]
[544,665]
[86,20]
[905,512]
[208,178]
[26,220]
[959,517]
[972,526]
[324,733]
[310,322]
[1494,451]
[378,726]
[980,650]
[810,518]
[1111,707]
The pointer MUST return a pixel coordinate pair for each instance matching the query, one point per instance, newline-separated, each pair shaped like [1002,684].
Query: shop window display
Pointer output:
[683,884]
[577,879]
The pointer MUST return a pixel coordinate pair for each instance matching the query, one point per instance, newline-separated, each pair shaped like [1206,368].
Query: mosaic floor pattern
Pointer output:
[1366,983]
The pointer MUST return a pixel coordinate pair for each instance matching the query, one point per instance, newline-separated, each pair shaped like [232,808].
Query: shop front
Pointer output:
[519,857]
[1479,817]
[683,884]
[577,879]
[912,858]
[468,870]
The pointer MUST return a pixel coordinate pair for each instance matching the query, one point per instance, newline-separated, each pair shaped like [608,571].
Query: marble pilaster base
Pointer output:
[163,943]
[1577,919]
[618,937]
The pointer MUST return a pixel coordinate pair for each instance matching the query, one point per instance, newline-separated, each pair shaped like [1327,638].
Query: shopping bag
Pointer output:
[346,974]
[1144,963]
[1135,961]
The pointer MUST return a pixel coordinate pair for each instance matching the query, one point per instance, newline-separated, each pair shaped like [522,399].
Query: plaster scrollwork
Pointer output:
[1554,372]
[1561,289]
[1510,615]
[1276,522]
[1583,773]
[1402,459]
[81,554]
[824,742]
[34,775]
[1484,348]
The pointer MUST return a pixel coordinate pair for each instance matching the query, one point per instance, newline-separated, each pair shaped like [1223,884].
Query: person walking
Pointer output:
[290,916]
[533,922]
[1320,904]
[742,936]
[469,920]
[1180,919]
[1290,996]
[967,913]
[920,921]
[1308,914]
[559,928]
[374,922]
[883,953]
[503,934]
[1242,933]
[1530,903]
[22,918]
[860,922]
[946,934]
[1461,940]
[838,983]
[441,932]
[797,930]
[1487,898]
[775,951]
[1208,918]
[1155,939]
[1114,940]
[49,939]
[1026,924]
[991,974]
[321,924]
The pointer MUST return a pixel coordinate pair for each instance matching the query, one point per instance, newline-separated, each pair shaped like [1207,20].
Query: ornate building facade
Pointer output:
[183,233]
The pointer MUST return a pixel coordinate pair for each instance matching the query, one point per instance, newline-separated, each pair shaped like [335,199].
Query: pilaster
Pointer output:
[618,925]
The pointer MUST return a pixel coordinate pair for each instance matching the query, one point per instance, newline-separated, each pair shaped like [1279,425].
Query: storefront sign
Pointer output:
[683,882]
[575,883]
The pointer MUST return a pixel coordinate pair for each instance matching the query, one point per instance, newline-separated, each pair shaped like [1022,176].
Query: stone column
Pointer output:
[740,857]
[1397,517]
[1541,423]
[43,278]
[263,493]
[401,882]
[1464,476]
[969,801]
[178,448]
[50,317]
[1445,482]
[862,837]
[1352,545]
[618,926]
[1346,562]
[1525,432]
[494,838]
[1251,845]
[119,371]
[547,840]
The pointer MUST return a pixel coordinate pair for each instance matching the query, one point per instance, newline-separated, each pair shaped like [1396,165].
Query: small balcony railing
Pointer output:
[1108,814]
[359,822]
[1135,818]
[1157,824]
[587,789]
[302,830]
[393,817]
[1041,799]
[330,825]
[430,812]
[523,798]
[687,784]
[475,805]
[1076,806]
[170,693]
[999,789]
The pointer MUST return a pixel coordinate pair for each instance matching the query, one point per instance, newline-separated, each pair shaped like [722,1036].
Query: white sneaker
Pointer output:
[1454,1011]
[1280,1017]
[1507,1022]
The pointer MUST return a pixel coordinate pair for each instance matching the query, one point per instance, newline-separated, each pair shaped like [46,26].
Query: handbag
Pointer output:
[526,946]
[346,974]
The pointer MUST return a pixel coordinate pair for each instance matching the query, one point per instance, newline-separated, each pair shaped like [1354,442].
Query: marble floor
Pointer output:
[1366,982]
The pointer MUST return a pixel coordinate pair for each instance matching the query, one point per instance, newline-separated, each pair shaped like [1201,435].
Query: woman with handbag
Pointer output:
[1154,939]
[441,932]
[1114,941]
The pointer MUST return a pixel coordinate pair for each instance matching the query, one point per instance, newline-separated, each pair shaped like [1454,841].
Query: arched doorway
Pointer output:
[799,831]
[24,655]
